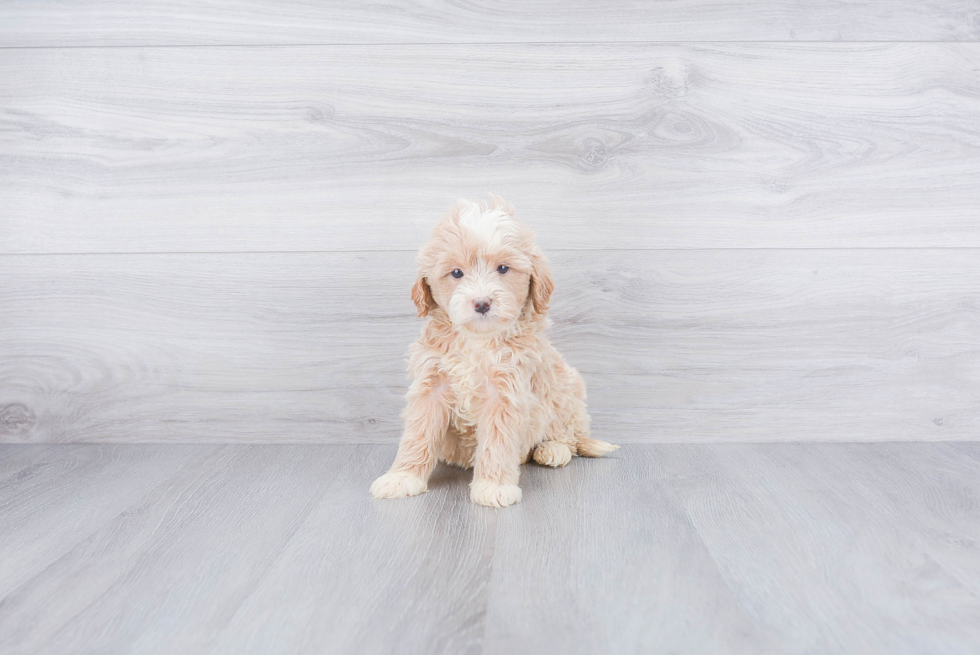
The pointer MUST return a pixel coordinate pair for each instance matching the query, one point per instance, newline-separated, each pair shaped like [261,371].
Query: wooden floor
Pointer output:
[697,548]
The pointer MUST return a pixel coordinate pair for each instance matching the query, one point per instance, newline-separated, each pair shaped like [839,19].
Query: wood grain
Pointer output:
[721,548]
[212,531]
[60,492]
[971,448]
[415,580]
[178,22]
[778,517]
[943,507]
[352,148]
[195,565]
[727,345]
[615,567]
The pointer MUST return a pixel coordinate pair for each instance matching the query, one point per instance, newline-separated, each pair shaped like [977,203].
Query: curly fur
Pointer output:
[489,391]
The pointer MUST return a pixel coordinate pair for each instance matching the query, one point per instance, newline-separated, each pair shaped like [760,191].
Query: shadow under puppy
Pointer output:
[489,390]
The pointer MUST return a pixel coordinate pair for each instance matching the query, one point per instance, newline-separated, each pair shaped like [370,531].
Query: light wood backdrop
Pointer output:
[264,22]
[764,219]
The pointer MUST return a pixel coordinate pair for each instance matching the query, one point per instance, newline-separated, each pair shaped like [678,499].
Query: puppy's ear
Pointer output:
[422,296]
[542,284]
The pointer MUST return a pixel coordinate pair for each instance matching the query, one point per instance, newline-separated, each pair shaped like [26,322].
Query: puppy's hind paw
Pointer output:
[398,484]
[494,495]
[552,453]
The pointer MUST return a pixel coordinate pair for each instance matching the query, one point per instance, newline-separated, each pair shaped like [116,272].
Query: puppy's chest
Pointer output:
[470,371]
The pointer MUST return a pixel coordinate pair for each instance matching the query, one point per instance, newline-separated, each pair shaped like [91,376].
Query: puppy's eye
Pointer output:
[457,273]
[503,269]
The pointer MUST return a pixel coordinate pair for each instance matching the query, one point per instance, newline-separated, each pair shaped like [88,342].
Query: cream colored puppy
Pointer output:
[489,391]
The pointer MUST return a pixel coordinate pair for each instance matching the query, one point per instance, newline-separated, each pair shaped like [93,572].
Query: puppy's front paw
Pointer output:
[494,495]
[397,485]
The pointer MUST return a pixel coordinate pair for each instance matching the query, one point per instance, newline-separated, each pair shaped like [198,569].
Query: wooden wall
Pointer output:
[764,218]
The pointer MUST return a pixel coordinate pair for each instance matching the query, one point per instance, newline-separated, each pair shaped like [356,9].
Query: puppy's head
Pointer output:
[483,268]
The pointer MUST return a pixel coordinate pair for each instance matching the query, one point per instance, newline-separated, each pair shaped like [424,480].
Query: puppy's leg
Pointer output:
[426,420]
[499,451]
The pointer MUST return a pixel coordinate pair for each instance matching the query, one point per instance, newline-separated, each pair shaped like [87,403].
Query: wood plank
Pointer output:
[600,557]
[942,508]
[722,345]
[20,461]
[352,148]
[67,493]
[185,555]
[369,576]
[178,22]
[971,448]
[195,566]
[823,564]
[721,548]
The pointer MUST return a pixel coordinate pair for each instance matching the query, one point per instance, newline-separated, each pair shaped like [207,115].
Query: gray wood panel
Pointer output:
[943,507]
[614,146]
[60,492]
[390,589]
[619,569]
[179,22]
[721,548]
[778,517]
[719,345]
[247,498]
[971,448]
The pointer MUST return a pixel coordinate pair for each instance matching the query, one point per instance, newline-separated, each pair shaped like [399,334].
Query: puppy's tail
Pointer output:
[588,447]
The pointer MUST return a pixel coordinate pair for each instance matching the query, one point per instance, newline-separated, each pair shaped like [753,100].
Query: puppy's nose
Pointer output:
[481,306]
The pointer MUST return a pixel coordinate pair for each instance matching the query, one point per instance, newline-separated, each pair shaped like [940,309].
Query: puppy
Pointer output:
[489,390]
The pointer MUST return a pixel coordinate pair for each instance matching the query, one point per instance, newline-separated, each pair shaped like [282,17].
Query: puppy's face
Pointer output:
[483,268]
